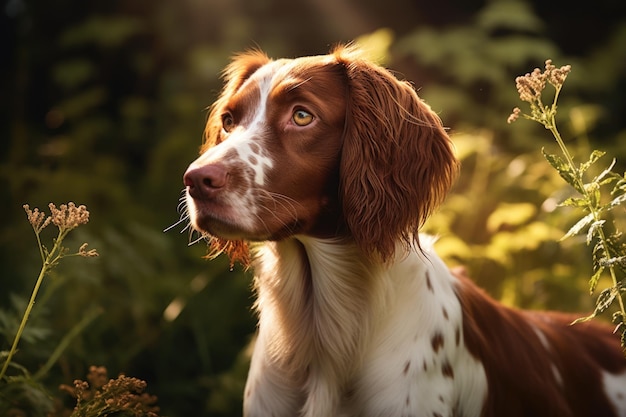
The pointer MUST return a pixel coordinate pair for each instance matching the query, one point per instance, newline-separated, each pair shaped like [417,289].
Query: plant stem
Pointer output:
[592,209]
[47,263]
[568,156]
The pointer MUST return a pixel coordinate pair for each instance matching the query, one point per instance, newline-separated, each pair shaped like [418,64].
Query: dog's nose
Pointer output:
[203,182]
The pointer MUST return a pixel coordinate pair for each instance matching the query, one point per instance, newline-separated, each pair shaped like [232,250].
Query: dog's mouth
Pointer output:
[249,223]
[212,218]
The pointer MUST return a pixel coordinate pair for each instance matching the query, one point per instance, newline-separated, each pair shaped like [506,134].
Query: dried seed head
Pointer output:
[556,76]
[531,85]
[91,253]
[97,376]
[68,217]
[36,218]
[514,116]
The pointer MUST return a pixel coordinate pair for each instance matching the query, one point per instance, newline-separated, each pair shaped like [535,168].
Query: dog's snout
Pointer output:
[203,182]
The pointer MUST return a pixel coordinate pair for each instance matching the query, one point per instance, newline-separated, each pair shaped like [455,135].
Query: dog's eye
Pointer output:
[228,123]
[302,117]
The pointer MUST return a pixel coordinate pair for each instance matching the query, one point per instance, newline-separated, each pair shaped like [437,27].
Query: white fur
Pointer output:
[615,388]
[349,338]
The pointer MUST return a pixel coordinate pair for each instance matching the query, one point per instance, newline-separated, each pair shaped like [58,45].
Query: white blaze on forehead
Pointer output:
[246,141]
[249,147]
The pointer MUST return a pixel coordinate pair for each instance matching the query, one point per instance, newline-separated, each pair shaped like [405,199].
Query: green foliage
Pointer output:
[470,64]
[609,252]
[106,102]
[499,222]
[22,395]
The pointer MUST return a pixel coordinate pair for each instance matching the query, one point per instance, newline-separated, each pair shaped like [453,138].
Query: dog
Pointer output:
[319,172]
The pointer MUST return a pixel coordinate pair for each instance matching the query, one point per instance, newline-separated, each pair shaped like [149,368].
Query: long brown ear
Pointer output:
[236,73]
[397,161]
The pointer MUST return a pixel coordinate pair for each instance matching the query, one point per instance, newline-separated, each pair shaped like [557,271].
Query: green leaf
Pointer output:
[593,193]
[593,230]
[598,251]
[595,155]
[619,260]
[556,161]
[616,201]
[621,184]
[564,170]
[583,319]
[605,299]
[605,172]
[593,281]
[578,227]
[575,202]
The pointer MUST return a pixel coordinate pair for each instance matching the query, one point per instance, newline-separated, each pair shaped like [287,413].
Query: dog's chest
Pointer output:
[417,363]
[360,340]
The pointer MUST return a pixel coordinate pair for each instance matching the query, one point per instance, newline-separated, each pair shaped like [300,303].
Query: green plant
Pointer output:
[66,218]
[21,393]
[609,252]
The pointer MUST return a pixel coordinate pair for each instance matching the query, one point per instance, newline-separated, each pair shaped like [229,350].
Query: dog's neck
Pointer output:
[316,299]
[325,310]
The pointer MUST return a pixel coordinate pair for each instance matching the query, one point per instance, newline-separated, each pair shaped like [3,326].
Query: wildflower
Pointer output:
[556,76]
[530,88]
[36,218]
[82,251]
[608,252]
[101,395]
[531,85]
[68,216]
[97,376]
[514,116]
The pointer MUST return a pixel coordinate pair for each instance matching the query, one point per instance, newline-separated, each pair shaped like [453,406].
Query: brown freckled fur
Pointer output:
[519,368]
[446,369]
[407,365]
[437,341]
[429,284]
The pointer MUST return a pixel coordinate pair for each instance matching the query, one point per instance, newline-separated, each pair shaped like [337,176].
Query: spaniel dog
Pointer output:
[319,172]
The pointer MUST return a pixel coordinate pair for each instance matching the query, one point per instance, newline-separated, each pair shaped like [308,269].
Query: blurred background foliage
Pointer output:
[103,103]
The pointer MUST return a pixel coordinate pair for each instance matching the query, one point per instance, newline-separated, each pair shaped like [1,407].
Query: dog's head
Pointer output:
[327,146]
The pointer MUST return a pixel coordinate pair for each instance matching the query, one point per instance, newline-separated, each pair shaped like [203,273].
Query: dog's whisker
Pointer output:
[187,226]
[191,243]
[177,223]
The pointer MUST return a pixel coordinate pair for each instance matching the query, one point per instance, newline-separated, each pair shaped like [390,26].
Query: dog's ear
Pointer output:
[241,67]
[397,162]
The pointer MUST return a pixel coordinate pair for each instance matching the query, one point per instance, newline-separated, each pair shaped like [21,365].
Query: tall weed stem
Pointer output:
[66,218]
[607,252]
